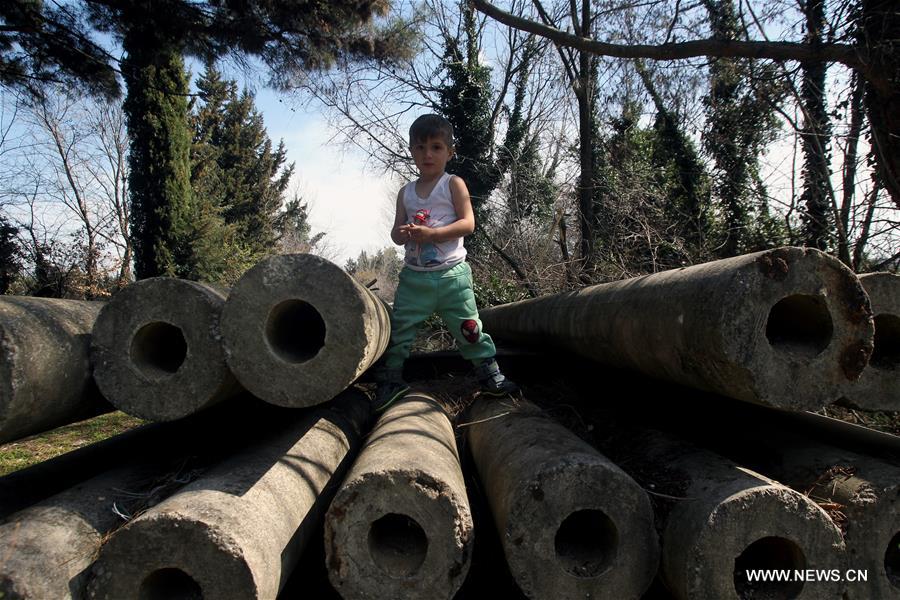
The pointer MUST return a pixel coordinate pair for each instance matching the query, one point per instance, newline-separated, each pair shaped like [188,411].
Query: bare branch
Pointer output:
[852,56]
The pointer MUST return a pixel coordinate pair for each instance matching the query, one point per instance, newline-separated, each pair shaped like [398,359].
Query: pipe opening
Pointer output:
[768,553]
[886,354]
[800,325]
[169,584]
[397,544]
[158,349]
[892,560]
[295,331]
[586,543]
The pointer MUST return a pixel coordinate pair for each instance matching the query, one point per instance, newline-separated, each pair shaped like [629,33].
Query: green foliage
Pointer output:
[466,101]
[43,43]
[293,221]
[10,254]
[741,120]
[491,290]
[164,218]
[818,222]
[381,270]
[238,178]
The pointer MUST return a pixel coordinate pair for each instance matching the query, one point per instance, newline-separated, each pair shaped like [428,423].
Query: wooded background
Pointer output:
[599,140]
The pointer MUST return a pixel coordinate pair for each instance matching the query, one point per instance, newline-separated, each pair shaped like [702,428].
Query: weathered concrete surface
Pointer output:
[861,493]
[47,549]
[45,372]
[784,328]
[878,388]
[863,490]
[237,532]
[210,432]
[298,329]
[572,523]
[719,520]
[400,525]
[157,349]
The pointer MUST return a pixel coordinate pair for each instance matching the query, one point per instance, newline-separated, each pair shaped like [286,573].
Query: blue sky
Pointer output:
[353,204]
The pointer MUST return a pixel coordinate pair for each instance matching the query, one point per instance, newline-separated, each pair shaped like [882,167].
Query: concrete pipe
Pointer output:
[861,492]
[878,388]
[722,523]
[784,328]
[238,531]
[45,372]
[572,523]
[298,329]
[865,492]
[400,525]
[211,432]
[157,349]
[48,548]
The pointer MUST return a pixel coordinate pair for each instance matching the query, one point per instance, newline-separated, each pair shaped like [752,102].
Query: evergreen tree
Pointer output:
[10,254]
[237,171]
[465,101]
[164,218]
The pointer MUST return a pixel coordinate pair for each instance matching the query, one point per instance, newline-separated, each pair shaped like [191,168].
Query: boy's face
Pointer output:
[431,155]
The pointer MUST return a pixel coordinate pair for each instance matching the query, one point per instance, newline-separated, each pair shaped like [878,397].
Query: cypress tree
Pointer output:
[163,217]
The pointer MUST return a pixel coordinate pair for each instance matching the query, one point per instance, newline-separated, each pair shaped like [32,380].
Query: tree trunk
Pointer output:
[815,136]
[880,35]
[849,171]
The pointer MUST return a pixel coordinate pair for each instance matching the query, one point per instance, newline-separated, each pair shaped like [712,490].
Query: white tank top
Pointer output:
[435,211]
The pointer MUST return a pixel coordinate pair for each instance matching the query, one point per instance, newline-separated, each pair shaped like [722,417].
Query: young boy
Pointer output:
[433,215]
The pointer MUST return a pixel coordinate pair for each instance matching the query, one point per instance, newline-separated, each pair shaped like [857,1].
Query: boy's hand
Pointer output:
[417,233]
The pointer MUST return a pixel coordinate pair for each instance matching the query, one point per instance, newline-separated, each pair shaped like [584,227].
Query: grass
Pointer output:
[44,446]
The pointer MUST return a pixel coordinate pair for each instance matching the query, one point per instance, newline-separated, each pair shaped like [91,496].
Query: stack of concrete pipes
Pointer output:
[789,328]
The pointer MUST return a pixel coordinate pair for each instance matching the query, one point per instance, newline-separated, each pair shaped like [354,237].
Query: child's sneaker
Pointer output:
[492,381]
[390,388]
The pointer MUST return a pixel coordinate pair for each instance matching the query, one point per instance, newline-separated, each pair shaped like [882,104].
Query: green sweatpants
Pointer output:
[447,293]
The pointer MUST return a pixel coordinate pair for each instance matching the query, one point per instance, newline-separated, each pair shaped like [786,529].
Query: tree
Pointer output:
[42,45]
[678,162]
[465,99]
[65,188]
[10,254]
[164,217]
[581,72]
[236,170]
[292,38]
[874,55]
[817,197]
[741,121]
[380,271]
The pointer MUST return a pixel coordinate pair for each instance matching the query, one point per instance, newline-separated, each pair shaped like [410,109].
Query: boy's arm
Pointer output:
[463,226]
[399,234]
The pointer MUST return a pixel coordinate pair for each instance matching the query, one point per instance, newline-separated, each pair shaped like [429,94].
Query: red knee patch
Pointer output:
[469,329]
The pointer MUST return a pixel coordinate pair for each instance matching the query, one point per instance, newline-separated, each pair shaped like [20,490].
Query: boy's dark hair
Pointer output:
[429,126]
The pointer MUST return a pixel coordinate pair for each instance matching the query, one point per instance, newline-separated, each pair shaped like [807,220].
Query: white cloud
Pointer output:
[352,204]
